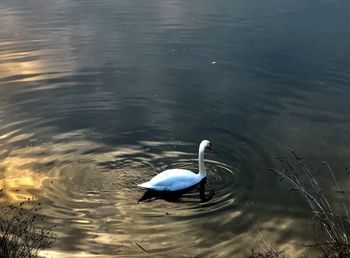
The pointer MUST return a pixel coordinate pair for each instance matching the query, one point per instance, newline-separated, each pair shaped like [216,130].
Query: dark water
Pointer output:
[97,96]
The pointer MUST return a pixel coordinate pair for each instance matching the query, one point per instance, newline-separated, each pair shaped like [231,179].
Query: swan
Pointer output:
[179,179]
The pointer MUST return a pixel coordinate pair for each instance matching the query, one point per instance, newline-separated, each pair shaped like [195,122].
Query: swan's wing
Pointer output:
[174,179]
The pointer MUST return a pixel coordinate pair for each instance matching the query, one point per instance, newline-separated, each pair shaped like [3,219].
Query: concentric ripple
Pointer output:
[98,96]
[90,191]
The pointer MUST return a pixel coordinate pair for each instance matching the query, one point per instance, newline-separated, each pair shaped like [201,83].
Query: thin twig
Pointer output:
[143,249]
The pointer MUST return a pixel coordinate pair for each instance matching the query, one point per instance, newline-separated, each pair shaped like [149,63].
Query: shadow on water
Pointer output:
[173,196]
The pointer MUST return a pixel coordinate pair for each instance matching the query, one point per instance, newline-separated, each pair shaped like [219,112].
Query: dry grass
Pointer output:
[334,223]
[20,232]
[266,250]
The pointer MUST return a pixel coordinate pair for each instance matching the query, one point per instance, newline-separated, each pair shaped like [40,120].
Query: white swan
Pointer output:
[179,179]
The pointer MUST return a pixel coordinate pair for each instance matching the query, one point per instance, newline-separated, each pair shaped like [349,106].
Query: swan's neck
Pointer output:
[202,171]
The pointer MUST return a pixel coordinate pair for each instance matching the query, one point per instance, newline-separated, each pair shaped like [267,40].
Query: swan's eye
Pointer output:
[209,146]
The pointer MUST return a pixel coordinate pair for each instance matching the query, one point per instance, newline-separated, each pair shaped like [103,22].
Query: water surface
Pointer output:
[97,96]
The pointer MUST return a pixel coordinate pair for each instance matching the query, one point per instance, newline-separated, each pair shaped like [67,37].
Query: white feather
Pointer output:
[179,179]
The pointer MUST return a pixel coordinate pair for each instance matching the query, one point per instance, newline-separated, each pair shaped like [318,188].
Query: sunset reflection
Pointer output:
[21,71]
[97,97]
[19,179]
[28,66]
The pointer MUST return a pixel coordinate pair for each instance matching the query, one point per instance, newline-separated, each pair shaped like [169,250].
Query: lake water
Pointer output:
[97,96]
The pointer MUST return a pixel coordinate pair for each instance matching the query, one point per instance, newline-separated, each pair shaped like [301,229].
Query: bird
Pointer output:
[179,179]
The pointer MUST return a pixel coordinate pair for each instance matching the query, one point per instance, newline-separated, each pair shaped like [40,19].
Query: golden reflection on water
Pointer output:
[20,70]
[18,64]
[18,179]
[56,253]
[106,218]
[35,66]
[274,232]
[273,228]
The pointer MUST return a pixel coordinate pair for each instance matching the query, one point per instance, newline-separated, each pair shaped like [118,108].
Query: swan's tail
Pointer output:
[145,185]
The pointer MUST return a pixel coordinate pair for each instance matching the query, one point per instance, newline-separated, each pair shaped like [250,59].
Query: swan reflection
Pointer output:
[173,196]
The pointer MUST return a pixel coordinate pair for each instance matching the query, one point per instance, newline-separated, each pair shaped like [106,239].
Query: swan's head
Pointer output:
[205,144]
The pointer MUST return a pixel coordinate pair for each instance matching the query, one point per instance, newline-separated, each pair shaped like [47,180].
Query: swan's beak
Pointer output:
[210,148]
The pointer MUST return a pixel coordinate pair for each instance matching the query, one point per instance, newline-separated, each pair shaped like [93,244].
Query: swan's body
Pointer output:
[173,180]
[179,179]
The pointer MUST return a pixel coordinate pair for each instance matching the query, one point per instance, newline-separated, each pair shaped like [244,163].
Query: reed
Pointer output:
[21,235]
[266,250]
[333,222]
